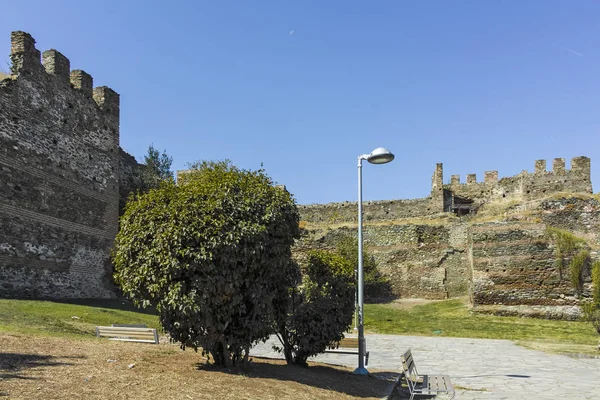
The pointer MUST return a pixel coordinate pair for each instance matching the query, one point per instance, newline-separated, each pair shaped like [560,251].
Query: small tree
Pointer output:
[210,254]
[157,167]
[317,307]
[576,268]
[376,285]
[592,309]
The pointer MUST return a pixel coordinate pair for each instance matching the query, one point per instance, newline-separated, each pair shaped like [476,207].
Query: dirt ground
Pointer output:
[33,367]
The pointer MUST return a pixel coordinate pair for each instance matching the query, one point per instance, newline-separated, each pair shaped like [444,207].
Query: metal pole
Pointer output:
[356,301]
[361,370]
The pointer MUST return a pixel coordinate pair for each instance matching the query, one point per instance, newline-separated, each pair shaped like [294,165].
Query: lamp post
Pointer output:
[380,155]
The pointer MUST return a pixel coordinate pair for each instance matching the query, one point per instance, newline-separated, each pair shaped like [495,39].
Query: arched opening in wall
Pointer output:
[462,206]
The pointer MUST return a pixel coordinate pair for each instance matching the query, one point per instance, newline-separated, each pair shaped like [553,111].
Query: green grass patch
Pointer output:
[63,319]
[453,318]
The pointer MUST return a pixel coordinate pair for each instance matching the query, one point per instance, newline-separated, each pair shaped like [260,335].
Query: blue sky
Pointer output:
[304,87]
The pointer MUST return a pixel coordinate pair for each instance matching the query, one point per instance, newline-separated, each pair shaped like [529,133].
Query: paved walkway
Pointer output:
[480,368]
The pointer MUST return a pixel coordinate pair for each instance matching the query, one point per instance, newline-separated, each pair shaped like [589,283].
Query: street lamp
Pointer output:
[380,155]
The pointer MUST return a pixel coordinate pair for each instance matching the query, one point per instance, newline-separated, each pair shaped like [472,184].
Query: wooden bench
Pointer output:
[423,385]
[128,333]
[343,346]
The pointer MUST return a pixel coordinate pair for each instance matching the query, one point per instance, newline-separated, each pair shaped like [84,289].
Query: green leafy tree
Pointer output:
[157,167]
[317,306]
[377,286]
[210,255]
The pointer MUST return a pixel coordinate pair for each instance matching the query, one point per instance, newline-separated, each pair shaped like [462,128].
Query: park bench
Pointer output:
[423,385]
[128,333]
[344,346]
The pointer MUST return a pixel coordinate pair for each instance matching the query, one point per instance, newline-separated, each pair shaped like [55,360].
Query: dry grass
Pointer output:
[572,349]
[582,196]
[58,368]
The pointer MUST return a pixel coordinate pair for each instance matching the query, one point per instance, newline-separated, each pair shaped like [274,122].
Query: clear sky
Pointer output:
[304,87]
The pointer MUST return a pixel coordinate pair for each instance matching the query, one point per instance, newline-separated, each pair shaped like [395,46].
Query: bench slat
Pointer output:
[129,334]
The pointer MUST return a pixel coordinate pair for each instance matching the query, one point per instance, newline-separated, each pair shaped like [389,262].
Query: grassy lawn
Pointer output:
[453,318]
[47,353]
[63,319]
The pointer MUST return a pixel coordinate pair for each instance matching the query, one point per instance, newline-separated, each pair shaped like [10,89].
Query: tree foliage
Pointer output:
[576,268]
[376,285]
[157,167]
[317,306]
[592,309]
[211,255]
[566,244]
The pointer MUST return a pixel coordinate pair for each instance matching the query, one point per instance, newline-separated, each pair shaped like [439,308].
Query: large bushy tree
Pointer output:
[211,255]
[317,306]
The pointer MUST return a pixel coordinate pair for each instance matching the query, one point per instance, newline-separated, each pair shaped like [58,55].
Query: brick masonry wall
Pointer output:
[59,161]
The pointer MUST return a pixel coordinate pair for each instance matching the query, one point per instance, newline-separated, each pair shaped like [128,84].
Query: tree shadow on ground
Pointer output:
[13,364]
[320,376]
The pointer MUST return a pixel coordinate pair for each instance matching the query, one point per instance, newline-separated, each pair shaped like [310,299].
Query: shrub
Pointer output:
[318,306]
[566,245]
[592,310]
[576,268]
[210,254]
[376,285]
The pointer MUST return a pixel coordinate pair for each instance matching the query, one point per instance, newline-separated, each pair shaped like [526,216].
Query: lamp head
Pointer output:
[380,155]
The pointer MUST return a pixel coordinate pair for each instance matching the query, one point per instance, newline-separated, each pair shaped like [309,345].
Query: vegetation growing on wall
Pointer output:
[567,246]
[576,268]
[592,309]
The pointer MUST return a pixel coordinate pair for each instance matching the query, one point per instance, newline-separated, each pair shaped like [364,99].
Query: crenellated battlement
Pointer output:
[524,186]
[25,59]
[579,165]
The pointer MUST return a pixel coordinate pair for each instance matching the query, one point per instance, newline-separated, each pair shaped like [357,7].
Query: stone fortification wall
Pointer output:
[514,272]
[426,261]
[59,161]
[372,210]
[525,186]
[507,266]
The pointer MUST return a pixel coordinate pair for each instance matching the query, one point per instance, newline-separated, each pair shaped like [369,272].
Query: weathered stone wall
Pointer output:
[426,261]
[130,177]
[333,213]
[59,161]
[507,266]
[514,272]
[526,186]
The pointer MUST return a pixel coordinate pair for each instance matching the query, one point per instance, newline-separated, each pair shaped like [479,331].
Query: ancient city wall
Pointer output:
[59,160]
[372,210]
[526,185]
[505,266]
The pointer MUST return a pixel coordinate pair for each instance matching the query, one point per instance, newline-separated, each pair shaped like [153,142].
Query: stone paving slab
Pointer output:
[480,368]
